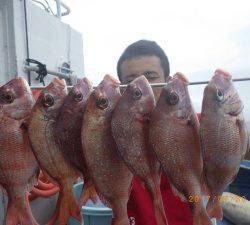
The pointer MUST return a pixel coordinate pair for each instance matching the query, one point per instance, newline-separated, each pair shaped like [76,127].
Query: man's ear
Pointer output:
[168,78]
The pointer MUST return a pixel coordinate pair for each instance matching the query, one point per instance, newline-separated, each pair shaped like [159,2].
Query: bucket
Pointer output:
[93,214]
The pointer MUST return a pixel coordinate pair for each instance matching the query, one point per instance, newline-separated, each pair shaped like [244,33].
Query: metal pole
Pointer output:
[42,87]
[161,84]
[27,38]
[58,6]
[192,83]
[58,74]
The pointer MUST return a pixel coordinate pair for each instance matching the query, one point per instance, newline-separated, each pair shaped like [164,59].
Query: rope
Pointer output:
[42,70]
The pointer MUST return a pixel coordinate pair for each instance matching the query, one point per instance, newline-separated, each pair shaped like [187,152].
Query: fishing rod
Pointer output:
[160,84]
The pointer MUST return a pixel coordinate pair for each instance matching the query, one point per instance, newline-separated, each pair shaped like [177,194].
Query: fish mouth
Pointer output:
[108,78]
[56,87]
[220,72]
[141,78]
[181,77]
[86,81]
[60,82]
[84,85]
[140,81]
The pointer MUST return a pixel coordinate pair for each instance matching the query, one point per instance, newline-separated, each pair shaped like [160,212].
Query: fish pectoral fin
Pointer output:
[244,136]
[192,120]
[178,194]
[24,125]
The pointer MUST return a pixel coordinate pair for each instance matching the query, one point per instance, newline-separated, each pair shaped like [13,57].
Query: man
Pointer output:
[147,58]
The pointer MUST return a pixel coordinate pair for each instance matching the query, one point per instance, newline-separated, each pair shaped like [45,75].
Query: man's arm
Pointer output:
[235,208]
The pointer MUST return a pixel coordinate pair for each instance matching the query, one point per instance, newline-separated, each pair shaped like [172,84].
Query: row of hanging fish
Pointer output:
[107,138]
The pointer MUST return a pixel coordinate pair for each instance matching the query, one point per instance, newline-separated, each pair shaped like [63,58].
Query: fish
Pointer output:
[130,129]
[110,175]
[18,167]
[68,132]
[174,137]
[51,160]
[224,138]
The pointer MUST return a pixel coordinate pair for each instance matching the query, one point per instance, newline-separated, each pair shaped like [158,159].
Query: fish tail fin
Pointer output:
[159,212]
[123,221]
[200,216]
[66,207]
[204,187]
[120,216]
[178,193]
[214,209]
[19,212]
[155,193]
[88,192]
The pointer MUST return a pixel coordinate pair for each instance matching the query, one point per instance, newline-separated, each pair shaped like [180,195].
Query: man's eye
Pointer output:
[151,75]
[147,73]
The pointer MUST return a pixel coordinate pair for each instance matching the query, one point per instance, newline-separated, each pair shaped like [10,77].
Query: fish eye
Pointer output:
[103,103]
[48,100]
[172,98]
[219,95]
[78,97]
[8,97]
[137,94]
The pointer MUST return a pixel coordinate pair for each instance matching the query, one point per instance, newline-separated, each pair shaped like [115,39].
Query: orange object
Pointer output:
[43,188]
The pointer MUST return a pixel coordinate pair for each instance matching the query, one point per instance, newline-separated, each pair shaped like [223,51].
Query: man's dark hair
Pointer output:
[144,48]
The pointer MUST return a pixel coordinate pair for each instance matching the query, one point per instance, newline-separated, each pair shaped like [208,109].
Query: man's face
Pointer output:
[149,66]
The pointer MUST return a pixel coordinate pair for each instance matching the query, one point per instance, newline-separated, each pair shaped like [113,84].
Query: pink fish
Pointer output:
[130,130]
[224,137]
[50,158]
[110,175]
[18,166]
[68,132]
[174,137]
